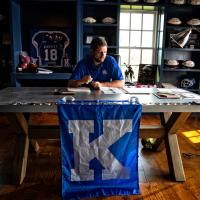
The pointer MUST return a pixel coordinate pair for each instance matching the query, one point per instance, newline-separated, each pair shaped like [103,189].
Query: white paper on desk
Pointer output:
[44,71]
[129,89]
[134,90]
[190,95]
[111,90]
[78,89]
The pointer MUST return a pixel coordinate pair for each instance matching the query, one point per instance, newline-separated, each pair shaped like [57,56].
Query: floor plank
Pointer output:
[43,178]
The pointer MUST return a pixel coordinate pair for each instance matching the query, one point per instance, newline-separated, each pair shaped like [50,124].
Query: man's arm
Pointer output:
[115,83]
[77,83]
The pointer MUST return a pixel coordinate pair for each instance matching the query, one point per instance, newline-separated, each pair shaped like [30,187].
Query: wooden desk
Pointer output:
[14,102]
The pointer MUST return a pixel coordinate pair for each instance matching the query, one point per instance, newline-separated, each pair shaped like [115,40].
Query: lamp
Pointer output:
[182,37]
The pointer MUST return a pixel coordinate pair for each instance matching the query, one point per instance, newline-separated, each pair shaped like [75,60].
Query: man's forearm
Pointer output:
[115,83]
[74,83]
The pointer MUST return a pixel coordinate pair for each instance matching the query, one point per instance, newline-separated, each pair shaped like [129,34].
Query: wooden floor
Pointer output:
[43,179]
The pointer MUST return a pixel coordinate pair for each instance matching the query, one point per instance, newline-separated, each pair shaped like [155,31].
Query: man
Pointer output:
[99,70]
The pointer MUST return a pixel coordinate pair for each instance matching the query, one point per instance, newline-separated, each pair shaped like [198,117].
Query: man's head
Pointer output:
[99,49]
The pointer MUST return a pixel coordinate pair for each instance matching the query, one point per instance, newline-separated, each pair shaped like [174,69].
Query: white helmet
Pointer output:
[189,63]
[131,1]
[89,20]
[151,1]
[172,63]
[174,21]
[108,20]
[194,2]
[179,2]
[194,22]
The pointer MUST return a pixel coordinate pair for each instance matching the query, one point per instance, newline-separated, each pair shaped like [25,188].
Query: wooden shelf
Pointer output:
[184,13]
[100,24]
[181,70]
[181,49]
[100,3]
[36,76]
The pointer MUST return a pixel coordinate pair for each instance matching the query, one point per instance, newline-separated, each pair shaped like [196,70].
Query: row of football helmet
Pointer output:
[181,2]
[175,63]
[177,21]
[106,20]
[178,2]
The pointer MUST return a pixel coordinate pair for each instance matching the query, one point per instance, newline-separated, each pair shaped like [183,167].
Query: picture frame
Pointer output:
[89,37]
[147,74]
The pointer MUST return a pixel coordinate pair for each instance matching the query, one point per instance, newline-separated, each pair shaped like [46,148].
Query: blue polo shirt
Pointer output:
[107,71]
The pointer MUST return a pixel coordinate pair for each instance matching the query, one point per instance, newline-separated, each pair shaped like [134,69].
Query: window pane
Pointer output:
[148,21]
[124,38]
[147,39]
[162,22]
[136,21]
[161,40]
[159,57]
[124,20]
[135,39]
[124,54]
[147,56]
[135,56]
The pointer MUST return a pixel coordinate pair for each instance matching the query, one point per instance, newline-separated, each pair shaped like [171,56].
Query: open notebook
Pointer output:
[167,95]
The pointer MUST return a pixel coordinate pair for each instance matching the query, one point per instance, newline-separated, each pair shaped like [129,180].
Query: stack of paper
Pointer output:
[167,95]
[111,90]
[44,71]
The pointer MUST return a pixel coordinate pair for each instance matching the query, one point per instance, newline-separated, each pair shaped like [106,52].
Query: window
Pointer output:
[137,36]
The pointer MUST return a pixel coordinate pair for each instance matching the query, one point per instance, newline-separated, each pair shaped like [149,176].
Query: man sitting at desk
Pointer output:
[98,70]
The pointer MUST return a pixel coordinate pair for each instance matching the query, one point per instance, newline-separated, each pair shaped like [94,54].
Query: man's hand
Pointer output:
[77,83]
[115,83]
[96,84]
[86,79]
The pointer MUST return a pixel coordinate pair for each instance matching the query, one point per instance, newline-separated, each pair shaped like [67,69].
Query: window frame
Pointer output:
[154,31]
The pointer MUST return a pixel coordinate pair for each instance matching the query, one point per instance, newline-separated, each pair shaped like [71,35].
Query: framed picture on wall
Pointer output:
[51,46]
[147,74]
[88,38]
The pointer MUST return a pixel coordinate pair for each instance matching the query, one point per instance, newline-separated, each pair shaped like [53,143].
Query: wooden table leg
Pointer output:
[159,143]
[19,122]
[173,124]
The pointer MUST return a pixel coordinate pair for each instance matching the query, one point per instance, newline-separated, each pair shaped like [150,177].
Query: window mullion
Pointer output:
[129,56]
[141,39]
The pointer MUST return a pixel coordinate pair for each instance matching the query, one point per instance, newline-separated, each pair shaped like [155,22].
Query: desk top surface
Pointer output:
[43,99]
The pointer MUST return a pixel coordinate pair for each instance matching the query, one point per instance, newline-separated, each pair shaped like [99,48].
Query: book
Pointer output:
[62,92]
[71,91]
[167,95]
[78,89]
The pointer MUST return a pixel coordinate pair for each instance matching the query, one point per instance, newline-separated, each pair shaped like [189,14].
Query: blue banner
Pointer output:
[99,146]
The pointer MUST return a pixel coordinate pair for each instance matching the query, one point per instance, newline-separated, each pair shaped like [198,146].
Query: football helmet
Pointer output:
[188,63]
[187,82]
[178,2]
[174,21]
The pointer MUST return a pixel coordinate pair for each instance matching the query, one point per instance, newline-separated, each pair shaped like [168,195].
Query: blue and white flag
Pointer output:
[99,146]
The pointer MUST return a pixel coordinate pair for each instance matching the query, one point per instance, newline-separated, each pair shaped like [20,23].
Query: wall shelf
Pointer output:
[100,24]
[181,49]
[181,70]
[170,52]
